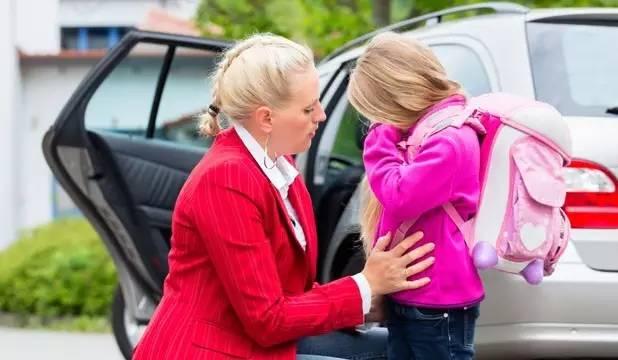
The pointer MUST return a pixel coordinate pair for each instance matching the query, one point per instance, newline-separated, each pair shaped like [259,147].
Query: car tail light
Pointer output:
[592,199]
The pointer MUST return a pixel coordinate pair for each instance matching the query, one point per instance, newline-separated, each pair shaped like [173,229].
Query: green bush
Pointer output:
[59,269]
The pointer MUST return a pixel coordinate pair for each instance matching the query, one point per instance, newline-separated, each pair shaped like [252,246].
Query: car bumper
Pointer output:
[527,341]
[573,313]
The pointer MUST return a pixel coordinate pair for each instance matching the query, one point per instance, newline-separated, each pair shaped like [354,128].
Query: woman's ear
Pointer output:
[263,117]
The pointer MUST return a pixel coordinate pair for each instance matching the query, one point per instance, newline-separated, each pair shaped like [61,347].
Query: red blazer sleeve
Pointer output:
[228,214]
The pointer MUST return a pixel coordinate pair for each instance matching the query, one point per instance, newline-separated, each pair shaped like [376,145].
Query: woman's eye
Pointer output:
[308,111]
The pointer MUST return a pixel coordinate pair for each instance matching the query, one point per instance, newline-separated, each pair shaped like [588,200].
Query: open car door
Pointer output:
[123,146]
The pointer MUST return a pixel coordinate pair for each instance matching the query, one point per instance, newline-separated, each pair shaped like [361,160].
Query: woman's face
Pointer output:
[295,125]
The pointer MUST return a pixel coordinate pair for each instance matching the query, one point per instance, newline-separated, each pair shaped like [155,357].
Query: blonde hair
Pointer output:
[395,80]
[254,72]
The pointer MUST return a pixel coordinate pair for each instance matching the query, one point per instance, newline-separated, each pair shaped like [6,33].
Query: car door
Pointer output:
[126,140]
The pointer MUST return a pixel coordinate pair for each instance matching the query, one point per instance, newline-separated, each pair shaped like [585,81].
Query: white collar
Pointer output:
[282,175]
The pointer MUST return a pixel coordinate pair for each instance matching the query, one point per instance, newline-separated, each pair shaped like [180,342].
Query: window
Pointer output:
[68,38]
[573,67]
[347,141]
[97,38]
[324,78]
[124,101]
[186,96]
[465,67]
[90,38]
[340,145]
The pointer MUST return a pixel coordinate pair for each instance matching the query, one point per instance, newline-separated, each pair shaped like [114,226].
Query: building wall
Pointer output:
[33,90]
[37,28]
[46,87]
[9,87]
[39,22]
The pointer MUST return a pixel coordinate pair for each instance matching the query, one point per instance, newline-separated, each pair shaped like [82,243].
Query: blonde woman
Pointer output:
[242,265]
[398,82]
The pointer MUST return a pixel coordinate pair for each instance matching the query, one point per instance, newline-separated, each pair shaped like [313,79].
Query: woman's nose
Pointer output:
[320,115]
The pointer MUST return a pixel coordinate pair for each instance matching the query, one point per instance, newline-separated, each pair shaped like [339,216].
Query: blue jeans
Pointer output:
[430,334]
[370,345]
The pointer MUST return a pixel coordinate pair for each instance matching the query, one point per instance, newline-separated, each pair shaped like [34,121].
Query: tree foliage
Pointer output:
[325,25]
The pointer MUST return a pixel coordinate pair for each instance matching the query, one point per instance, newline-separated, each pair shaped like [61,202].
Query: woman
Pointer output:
[243,258]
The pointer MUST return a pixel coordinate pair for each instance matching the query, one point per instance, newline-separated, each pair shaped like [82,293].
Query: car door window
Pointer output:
[185,97]
[346,146]
[125,100]
[463,65]
[342,168]
[324,78]
[341,145]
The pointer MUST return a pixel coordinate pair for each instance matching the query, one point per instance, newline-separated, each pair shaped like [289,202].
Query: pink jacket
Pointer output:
[446,169]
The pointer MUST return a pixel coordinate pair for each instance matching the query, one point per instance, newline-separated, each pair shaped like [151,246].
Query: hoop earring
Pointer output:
[266,155]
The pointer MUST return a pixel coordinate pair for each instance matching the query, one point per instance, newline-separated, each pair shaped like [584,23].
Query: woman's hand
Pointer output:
[388,271]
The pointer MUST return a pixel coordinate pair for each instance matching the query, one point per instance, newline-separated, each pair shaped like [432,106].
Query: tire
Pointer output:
[126,329]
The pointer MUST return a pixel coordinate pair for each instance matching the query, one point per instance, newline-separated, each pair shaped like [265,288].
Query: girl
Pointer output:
[396,84]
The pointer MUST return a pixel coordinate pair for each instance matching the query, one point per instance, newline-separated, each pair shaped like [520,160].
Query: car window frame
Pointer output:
[474,45]
[337,82]
[116,56]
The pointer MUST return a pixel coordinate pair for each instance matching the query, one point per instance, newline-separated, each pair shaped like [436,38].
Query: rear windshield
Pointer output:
[575,67]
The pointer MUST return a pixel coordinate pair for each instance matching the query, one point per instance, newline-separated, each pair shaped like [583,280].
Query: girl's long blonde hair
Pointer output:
[395,80]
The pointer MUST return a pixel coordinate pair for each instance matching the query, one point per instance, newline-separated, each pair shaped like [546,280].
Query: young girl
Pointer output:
[397,83]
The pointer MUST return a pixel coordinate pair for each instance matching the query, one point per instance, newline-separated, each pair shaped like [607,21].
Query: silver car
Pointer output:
[125,142]
[566,57]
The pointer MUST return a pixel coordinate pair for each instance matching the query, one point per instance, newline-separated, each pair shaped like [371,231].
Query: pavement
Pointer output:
[21,344]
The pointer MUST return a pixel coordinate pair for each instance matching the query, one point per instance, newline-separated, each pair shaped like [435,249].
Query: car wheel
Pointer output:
[127,330]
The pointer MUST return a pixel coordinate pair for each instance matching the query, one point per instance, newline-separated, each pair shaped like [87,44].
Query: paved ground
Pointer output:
[42,345]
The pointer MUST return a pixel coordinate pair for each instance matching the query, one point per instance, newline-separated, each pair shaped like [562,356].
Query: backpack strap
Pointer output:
[449,208]
[402,230]
[464,227]
[453,116]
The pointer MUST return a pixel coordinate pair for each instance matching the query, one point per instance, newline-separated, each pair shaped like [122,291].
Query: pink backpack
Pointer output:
[520,227]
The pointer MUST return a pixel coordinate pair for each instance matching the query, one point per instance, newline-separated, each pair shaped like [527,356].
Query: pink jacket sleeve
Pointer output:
[410,189]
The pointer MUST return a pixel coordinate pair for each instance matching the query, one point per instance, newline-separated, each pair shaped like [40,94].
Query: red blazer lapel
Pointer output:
[301,201]
[230,137]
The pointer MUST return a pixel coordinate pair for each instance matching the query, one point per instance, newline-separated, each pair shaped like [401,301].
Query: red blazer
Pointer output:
[240,285]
